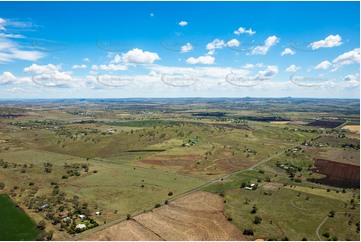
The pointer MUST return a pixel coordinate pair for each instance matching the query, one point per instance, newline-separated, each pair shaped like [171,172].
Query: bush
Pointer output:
[298,180]
[257,220]
[31,183]
[248,232]
[170,194]
[157,205]
[65,177]
[2,185]
[254,209]
[229,218]
[326,235]
[128,216]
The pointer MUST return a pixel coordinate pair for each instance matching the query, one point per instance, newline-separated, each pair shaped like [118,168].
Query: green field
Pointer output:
[14,223]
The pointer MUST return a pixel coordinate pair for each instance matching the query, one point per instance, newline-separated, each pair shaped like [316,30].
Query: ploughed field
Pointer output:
[198,216]
[337,174]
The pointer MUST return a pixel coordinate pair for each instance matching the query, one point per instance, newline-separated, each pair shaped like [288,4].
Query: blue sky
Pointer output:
[179,49]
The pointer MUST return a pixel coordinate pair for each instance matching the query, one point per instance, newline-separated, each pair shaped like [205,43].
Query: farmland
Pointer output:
[138,163]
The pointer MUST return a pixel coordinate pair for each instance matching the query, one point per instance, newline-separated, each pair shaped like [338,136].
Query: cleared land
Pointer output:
[198,216]
[352,128]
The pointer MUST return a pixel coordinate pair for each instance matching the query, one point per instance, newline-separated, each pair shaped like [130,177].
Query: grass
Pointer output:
[14,223]
[120,188]
[284,213]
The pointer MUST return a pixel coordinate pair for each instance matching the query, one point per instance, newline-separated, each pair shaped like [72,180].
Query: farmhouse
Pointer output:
[80,226]
[97,213]
[66,219]
[82,216]
[42,207]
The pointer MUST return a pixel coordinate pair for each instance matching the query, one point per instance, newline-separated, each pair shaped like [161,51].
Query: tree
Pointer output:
[41,225]
[257,220]
[248,232]
[254,209]
[128,216]
[332,214]
[170,194]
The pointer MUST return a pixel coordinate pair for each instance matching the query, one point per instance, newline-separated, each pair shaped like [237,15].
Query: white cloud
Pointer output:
[138,56]
[50,76]
[251,66]
[351,81]
[7,78]
[242,30]
[324,65]
[151,14]
[186,48]
[287,51]
[37,69]
[347,58]
[263,49]
[110,67]
[206,60]
[11,50]
[330,41]
[215,44]
[268,73]
[183,23]
[292,68]
[86,59]
[248,66]
[83,66]
[2,24]
[233,43]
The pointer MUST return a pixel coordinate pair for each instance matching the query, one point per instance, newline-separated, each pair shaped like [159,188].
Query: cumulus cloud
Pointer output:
[233,43]
[242,30]
[347,58]
[110,67]
[50,76]
[329,42]
[38,69]
[137,56]
[186,48]
[351,81]
[324,65]
[215,44]
[2,24]
[292,68]
[287,51]
[268,73]
[251,66]
[205,60]
[268,43]
[7,78]
[183,23]
[83,66]
[86,59]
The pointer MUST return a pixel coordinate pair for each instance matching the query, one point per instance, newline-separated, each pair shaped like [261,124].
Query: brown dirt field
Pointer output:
[168,160]
[130,230]
[352,128]
[279,122]
[198,216]
[337,174]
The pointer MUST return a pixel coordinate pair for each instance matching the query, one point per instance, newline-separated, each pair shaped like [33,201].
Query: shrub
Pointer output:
[248,232]
[157,205]
[257,220]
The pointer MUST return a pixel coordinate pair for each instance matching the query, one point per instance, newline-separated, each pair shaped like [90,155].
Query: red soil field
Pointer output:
[337,174]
